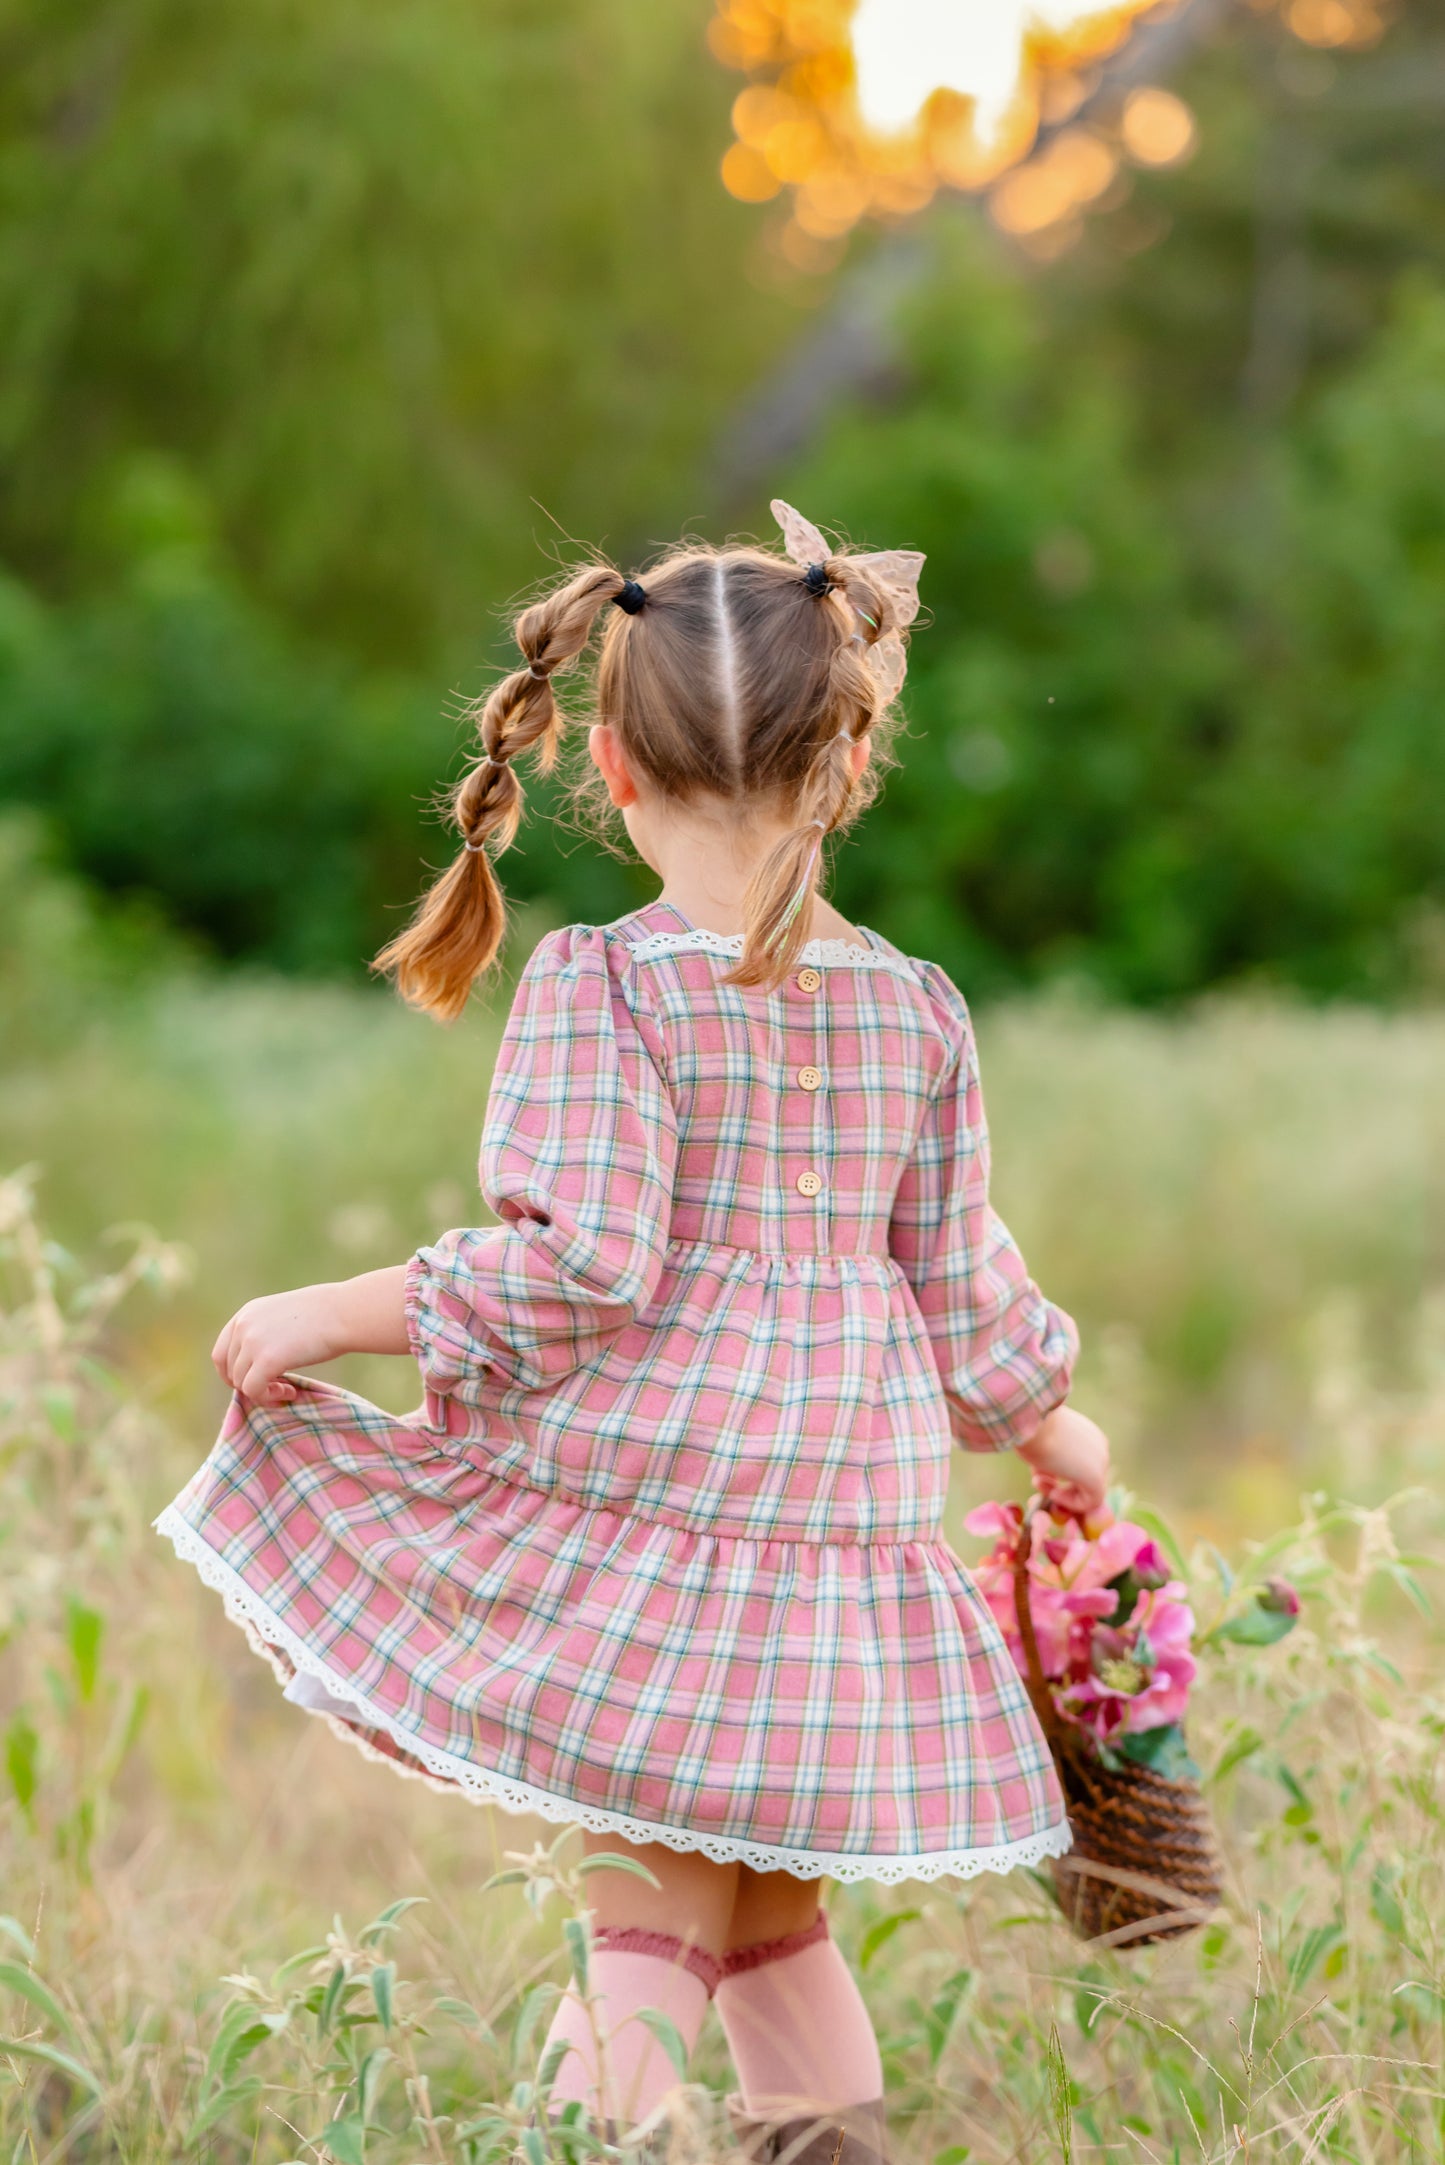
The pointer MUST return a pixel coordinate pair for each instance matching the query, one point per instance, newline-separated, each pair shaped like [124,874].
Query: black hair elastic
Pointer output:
[632,597]
[817,581]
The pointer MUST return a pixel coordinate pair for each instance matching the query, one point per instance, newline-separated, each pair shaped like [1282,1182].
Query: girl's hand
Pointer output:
[1070,1459]
[270,1335]
[316,1323]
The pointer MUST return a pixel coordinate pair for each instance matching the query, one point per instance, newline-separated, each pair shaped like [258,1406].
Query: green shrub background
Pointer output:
[330,332]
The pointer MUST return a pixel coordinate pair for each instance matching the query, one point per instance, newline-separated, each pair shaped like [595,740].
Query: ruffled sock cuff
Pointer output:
[738,1960]
[635,1939]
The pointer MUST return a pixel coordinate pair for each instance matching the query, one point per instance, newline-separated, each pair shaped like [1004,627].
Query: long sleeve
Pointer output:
[1005,1354]
[577,1162]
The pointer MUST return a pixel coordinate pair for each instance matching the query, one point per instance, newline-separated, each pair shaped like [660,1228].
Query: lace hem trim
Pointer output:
[267,1636]
[833,954]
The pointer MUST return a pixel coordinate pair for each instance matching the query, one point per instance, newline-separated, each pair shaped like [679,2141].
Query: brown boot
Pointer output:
[854,2135]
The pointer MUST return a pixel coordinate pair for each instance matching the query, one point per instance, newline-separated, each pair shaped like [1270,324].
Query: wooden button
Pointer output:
[809,1183]
[809,980]
[810,1078]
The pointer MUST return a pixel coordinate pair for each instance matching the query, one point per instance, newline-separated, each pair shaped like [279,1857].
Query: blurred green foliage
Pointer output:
[309,312]
[1157,740]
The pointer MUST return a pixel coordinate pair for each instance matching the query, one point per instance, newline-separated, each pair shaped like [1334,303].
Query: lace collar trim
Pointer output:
[832,954]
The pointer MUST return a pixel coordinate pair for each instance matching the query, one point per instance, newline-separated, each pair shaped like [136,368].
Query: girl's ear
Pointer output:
[609,760]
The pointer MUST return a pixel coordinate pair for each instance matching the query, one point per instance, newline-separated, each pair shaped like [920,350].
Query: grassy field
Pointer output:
[1240,1203]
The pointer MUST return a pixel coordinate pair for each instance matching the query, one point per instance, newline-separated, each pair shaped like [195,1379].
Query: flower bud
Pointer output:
[1279,1597]
[1150,1567]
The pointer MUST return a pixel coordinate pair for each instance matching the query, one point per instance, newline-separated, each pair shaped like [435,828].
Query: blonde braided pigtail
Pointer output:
[458,926]
[778,907]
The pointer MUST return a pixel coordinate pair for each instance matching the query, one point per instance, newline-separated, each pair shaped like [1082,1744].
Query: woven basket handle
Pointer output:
[1034,1677]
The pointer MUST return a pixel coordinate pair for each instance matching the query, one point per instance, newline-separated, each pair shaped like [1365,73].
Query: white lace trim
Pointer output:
[833,954]
[444,1770]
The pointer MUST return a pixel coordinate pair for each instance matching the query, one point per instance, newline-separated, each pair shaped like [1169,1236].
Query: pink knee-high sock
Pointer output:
[796,2026]
[631,1969]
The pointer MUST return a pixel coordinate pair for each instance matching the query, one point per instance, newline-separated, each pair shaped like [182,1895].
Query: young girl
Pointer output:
[661,1554]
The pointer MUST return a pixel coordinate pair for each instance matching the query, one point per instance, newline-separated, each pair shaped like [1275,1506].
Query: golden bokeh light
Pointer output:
[860,109]
[1334,22]
[1156,127]
[933,96]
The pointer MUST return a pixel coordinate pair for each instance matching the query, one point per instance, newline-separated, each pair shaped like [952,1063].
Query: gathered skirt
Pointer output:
[817,1707]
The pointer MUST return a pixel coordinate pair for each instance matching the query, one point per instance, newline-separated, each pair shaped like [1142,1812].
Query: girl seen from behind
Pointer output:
[661,1554]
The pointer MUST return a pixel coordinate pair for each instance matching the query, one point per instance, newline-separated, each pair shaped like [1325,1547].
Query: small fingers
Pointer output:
[221,1351]
[258,1380]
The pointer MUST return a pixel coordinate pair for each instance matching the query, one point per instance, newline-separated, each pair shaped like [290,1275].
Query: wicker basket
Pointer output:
[1144,1865]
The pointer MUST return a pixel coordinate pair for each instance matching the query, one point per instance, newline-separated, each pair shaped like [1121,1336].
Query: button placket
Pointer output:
[808,1077]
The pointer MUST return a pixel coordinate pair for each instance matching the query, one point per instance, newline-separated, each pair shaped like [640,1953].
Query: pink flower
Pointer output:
[1002,1519]
[1166,1621]
[1109,1678]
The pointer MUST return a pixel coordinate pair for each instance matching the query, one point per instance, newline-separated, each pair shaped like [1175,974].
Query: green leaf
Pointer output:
[1290,1783]
[136,1712]
[22,1759]
[1242,1745]
[550,2065]
[15,1931]
[1385,1902]
[346,2139]
[84,1633]
[331,1998]
[878,1935]
[666,2031]
[943,2013]
[383,1980]
[216,2108]
[32,1988]
[388,1919]
[368,2081]
[1255,1626]
[242,2029]
[462,2011]
[578,1942]
[1163,1750]
[607,1860]
[1061,2095]
[955,2154]
[534,2005]
[1311,1950]
[1164,1535]
[50,2057]
[534,2148]
[1223,1567]
[490,2123]
[300,1961]
[1406,1580]
[513,1876]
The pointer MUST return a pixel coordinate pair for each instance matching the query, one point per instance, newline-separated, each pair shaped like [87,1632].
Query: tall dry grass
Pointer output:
[227,1934]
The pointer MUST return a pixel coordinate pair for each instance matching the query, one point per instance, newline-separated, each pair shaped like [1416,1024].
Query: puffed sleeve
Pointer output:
[577,1162]
[1005,1354]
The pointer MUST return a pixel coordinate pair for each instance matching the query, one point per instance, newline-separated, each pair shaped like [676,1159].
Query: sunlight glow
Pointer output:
[866,108]
[907,49]
[861,109]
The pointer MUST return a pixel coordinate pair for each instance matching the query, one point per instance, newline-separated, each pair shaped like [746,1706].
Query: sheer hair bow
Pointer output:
[894,572]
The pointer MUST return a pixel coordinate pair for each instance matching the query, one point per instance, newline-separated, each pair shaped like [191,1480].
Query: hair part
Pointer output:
[741,679]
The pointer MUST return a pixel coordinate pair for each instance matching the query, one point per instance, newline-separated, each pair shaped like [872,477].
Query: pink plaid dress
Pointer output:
[661,1552]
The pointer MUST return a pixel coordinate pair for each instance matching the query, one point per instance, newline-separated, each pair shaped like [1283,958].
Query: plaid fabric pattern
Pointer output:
[663,1543]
